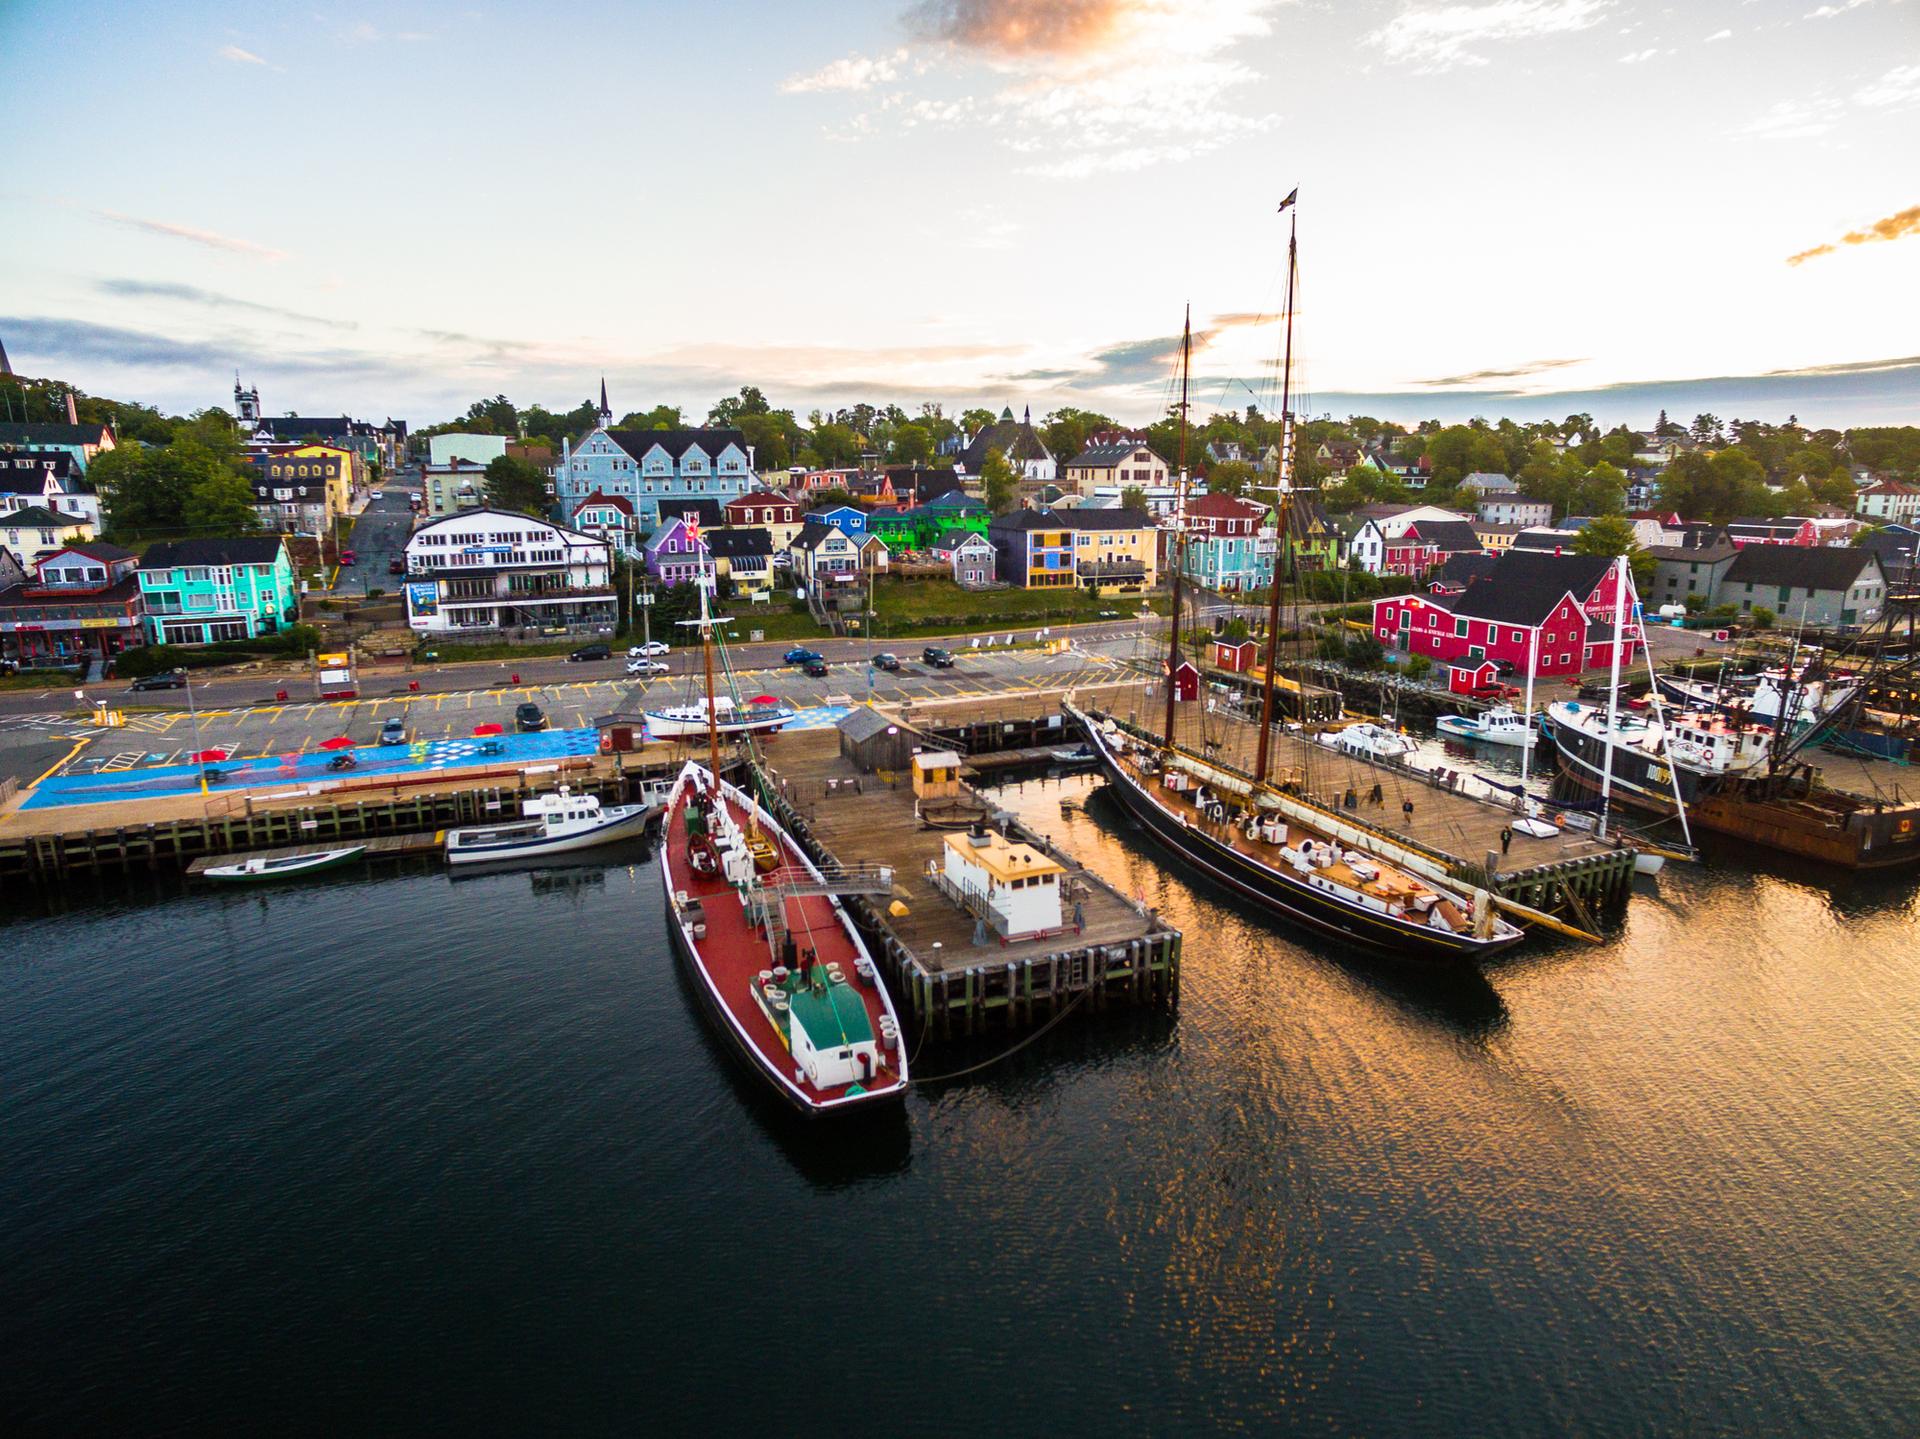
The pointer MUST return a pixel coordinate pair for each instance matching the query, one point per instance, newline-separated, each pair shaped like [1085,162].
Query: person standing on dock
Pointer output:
[1406,812]
[1506,838]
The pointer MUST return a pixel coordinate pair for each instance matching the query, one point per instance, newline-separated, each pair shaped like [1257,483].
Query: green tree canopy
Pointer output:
[999,485]
[660,417]
[515,484]
[1132,497]
[220,502]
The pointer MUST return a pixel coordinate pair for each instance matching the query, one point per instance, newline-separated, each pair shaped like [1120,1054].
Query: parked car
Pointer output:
[815,668]
[652,649]
[165,680]
[801,655]
[886,661]
[647,667]
[394,731]
[348,557]
[594,651]
[940,659]
[396,566]
[528,718]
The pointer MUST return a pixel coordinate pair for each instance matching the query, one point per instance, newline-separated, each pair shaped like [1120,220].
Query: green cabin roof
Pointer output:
[833,1017]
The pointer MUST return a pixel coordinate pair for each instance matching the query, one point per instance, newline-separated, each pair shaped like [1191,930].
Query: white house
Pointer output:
[1019,887]
[49,479]
[490,570]
[969,554]
[443,450]
[1888,502]
[1514,510]
[823,552]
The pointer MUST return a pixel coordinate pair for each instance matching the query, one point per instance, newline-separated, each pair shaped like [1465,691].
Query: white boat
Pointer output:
[1503,724]
[283,866]
[549,824]
[1811,701]
[1370,741]
[761,716]
[1081,754]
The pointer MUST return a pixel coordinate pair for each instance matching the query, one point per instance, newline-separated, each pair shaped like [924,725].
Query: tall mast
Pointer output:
[1283,485]
[706,658]
[1179,520]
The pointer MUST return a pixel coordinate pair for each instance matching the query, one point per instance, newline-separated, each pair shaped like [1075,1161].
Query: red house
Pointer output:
[1792,530]
[760,508]
[1556,610]
[1464,679]
[1235,656]
[1186,682]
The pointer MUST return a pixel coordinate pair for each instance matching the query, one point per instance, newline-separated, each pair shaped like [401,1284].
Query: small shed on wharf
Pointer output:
[872,741]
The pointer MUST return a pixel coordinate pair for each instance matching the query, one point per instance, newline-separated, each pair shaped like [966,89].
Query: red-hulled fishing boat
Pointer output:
[775,955]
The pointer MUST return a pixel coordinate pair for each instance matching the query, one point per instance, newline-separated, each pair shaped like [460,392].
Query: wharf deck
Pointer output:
[949,980]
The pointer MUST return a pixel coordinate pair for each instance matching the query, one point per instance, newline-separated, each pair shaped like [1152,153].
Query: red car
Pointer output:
[348,557]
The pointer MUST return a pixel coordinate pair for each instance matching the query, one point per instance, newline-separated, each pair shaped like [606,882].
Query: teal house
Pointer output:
[200,591]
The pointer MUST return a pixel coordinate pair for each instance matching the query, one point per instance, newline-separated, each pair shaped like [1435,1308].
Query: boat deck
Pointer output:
[379,846]
[1442,819]
[735,952]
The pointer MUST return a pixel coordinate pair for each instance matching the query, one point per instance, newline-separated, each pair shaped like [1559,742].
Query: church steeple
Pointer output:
[606,412]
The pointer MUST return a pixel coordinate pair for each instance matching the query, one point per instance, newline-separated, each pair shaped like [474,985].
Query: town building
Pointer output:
[654,468]
[1493,537]
[449,489]
[1485,483]
[1230,545]
[1556,611]
[1396,520]
[851,519]
[1888,501]
[1117,464]
[1792,530]
[1015,886]
[1683,572]
[1514,510]
[81,441]
[1370,549]
[744,556]
[1021,445]
[822,554]
[1160,501]
[676,552]
[1805,584]
[1312,539]
[1545,537]
[1106,551]
[481,450]
[969,556]
[34,531]
[1448,537]
[49,479]
[202,591]
[768,510]
[488,570]
[80,603]
[302,489]
[607,517]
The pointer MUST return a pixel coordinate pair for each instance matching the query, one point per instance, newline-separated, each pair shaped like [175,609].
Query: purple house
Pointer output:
[676,552]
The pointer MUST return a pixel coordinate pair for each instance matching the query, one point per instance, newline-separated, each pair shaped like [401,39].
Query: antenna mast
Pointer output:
[1283,486]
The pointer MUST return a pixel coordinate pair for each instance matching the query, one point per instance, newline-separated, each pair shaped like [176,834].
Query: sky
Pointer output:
[1519,207]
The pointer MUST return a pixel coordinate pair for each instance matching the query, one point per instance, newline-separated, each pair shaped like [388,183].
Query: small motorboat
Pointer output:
[1370,741]
[284,866]
[549,824]
[1503,724]
[1083,754]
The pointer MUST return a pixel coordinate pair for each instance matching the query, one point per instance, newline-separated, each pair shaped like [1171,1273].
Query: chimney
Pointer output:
[72,417]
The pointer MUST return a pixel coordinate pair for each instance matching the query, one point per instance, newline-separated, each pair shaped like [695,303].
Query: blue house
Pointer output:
[200,591]
[652,468]
[850,519]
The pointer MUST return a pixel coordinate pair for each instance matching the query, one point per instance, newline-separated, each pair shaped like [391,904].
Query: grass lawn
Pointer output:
[942,607]
[39,680]
[448,654]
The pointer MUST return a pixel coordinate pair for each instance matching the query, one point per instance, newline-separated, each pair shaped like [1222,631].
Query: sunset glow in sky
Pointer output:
[397,209]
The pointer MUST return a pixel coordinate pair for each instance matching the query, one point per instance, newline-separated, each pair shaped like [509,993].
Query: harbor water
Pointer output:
[403,1152]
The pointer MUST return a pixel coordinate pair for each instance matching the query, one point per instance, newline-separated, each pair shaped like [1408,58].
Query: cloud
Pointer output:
[1900,86]
[239,56]
[1076,87]
[1892,227]
[124,289]
[851,72]
[1853,367]
[1794,119]
[1638,56]
[209,238]
[1719,35]
[66,342]
[1480,377]
[1827,12]
[1434,38]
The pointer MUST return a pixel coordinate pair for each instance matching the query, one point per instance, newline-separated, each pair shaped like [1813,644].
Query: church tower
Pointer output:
[246,405]
[606,413]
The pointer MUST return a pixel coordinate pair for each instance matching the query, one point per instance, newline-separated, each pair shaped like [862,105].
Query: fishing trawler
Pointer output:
[761,715]
[1370,741]
[555,823]
[1503,724]
[775,958]
[1809,701]
[1650,754]
[1293,860]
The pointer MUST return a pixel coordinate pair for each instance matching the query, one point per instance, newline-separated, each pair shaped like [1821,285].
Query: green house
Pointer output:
[200,591]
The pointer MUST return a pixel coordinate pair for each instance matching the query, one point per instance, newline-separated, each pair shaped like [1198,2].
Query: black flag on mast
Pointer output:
[1292,195]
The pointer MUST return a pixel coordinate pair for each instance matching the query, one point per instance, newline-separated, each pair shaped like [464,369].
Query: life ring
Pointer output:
[1561,819]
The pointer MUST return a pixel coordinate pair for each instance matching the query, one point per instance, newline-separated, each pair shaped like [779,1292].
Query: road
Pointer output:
[379,537]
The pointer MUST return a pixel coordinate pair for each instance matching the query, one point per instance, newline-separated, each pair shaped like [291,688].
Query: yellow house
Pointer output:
[1112,551]
[345,472]
[1494,538]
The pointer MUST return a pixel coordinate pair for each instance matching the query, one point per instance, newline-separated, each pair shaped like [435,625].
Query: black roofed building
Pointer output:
[1020,443]
[1805,584]
[1121,462]
[1104,550]
[82,441]
[1449,537]
[653,468]
[744,556]
[81,602]
[1683,572]
[49,479]
[202,591]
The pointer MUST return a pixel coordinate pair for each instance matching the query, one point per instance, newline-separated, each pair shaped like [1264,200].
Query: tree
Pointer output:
[1066,430]
[221,502]
[999,484]
[1230,477]
[1705,430]
[1608,535]
[832,498]
[515,484]
[726,413]
[973,421]
[1719,487]
[1460,450]
[836,445]
[492,417]
[912,445]
[660,417]
[1132,497]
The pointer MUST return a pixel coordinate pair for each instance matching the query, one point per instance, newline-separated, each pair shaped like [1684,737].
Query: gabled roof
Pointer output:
[39,517]
[706,513]
[1107,456]
[1225,507]
[669,525]
[1814,567]
[759,497]
[93,550]
[811,537]
[29,432]
[300,426]
[1544,537]
[1693,554]
[1016,439]
[862,723]
[1080,518]
[239,550]
[1487,483]
[738,544]
[953,538]
[600,500]
[1464,567]
[1449,536]
[677,442]
[953,501]
[1524,586]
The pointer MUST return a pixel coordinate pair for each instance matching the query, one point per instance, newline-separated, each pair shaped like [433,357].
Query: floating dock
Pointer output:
[955,977]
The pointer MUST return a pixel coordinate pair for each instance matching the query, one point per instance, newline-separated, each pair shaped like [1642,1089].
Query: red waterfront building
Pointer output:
[1558,609]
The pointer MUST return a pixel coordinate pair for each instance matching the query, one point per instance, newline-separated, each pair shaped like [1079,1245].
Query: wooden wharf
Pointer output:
[953,975]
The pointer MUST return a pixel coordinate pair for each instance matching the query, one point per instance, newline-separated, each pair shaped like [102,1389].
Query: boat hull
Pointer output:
[1458,728]
[240,874]
[758,1057]
[666,726]
[1279,894]
[629,823]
